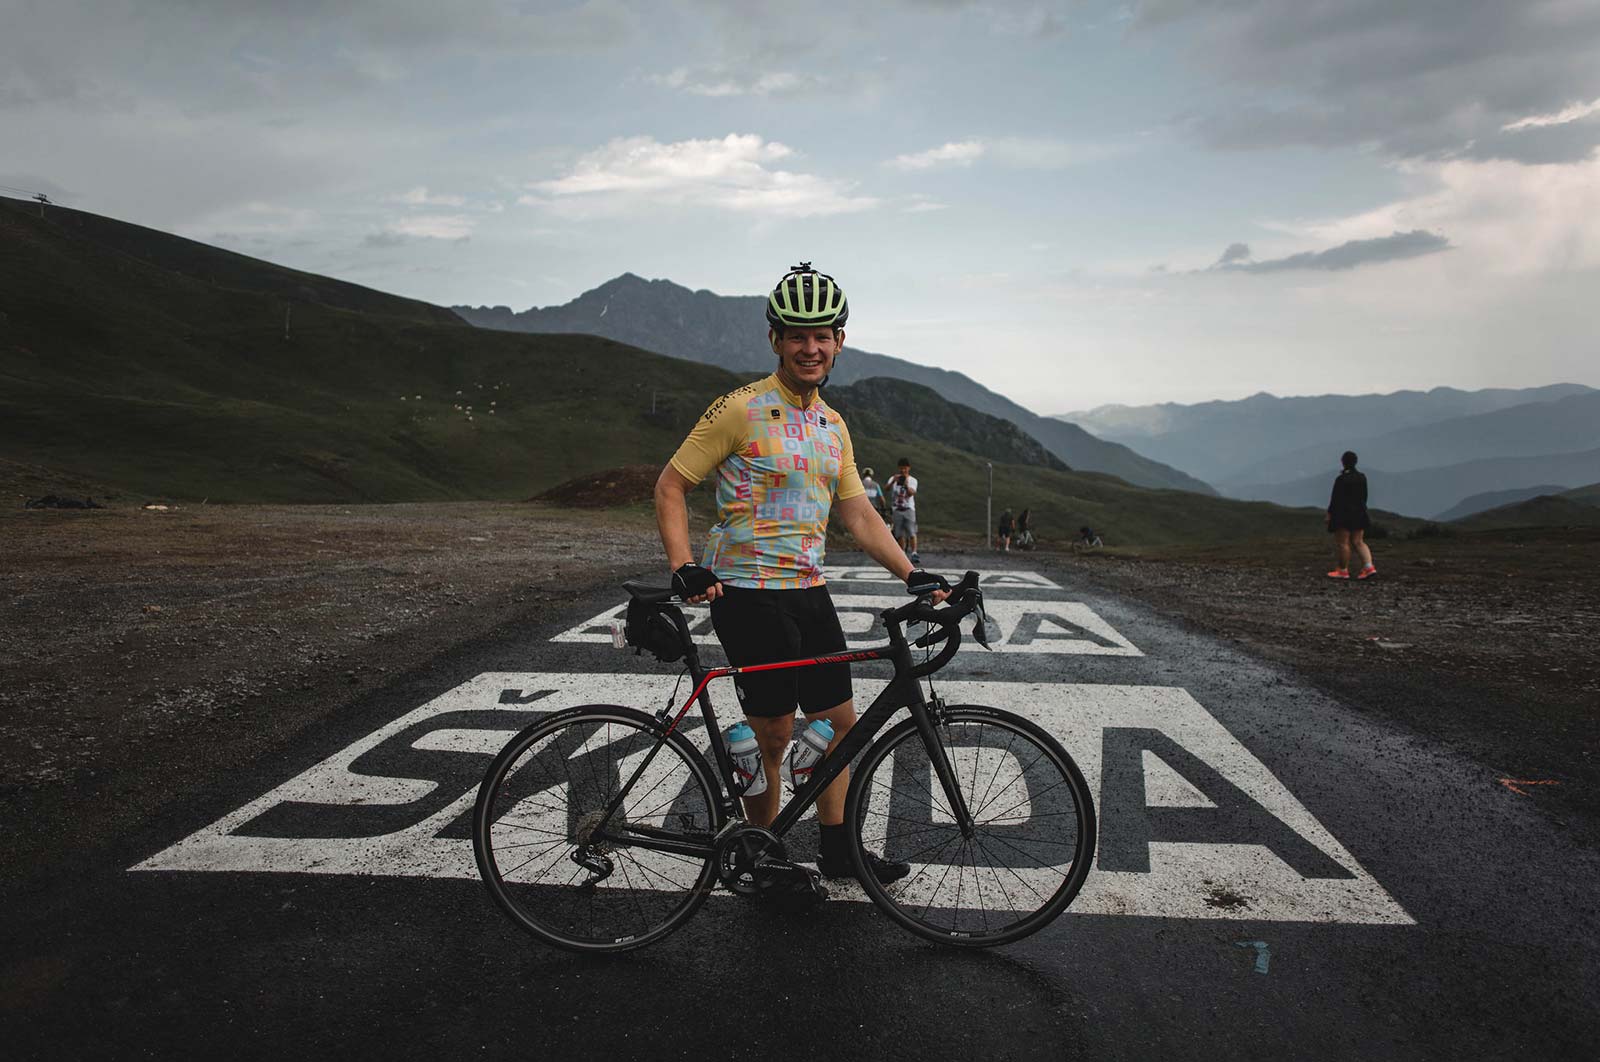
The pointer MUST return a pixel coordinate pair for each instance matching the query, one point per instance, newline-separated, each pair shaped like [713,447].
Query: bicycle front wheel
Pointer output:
[1033,836]
[537,813]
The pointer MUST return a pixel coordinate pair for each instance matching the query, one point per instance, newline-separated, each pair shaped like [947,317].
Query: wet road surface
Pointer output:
[1277,876]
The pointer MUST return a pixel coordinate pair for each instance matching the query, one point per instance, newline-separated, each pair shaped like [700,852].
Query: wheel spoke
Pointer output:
[650,891]
[991,886]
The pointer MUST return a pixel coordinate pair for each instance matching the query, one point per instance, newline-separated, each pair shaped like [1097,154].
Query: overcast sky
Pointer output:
[1073,203]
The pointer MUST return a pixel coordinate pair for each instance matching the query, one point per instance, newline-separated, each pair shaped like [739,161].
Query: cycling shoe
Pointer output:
[885,870]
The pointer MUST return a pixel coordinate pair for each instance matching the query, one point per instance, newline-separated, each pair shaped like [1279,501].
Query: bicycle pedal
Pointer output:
[789,885]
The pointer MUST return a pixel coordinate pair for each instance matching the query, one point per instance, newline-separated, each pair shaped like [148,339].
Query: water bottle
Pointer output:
[806,753]
[746,753]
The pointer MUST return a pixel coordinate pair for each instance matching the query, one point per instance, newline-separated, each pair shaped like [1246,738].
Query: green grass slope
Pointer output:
[1589,495]
[115,366]
[134,359]
[1547,510]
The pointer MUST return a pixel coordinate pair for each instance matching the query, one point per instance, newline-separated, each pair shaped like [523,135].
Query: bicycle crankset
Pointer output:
[751,862]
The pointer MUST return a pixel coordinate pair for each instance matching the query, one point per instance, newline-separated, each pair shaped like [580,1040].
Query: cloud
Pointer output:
[1234,252]
[226,55]
[420,196]
[922,204]
[1569,113]
[1424,78]
[954,153]
[1347,255]
[1508,219]
[1032,153]
[1538,142]
[433,226]
[736,173]
[726,81]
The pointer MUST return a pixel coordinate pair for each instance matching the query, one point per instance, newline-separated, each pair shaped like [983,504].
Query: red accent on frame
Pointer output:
[810,661]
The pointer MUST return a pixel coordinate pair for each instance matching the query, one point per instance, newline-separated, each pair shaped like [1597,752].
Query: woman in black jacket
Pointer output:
[1348,520]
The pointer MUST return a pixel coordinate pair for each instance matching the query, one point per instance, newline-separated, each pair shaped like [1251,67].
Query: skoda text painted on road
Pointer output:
[1014,626]
[840,578]
[1187,814]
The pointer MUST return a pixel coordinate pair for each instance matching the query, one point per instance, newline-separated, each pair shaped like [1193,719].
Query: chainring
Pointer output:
[737,853]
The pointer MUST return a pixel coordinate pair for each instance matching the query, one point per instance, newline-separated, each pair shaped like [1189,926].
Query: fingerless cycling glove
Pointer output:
[691,580]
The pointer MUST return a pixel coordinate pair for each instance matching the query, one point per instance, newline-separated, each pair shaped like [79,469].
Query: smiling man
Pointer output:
[781,457]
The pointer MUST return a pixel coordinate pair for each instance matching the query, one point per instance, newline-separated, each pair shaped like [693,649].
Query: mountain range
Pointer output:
[1426,451]
[729,331]
[153,366]
[1430,492]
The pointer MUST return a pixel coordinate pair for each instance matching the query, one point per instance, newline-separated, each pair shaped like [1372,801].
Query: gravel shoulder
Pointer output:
[1485,642]
[145,652]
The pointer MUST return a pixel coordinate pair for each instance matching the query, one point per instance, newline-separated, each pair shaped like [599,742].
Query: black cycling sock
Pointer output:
[835,846]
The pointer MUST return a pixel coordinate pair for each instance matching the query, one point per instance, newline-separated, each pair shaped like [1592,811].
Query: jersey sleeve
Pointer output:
[715,436]
[849,479]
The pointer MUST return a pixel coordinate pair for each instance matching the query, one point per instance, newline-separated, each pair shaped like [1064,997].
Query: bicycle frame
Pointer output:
[903,691]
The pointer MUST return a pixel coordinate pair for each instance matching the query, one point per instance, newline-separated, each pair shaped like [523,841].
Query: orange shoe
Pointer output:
[1339,573]
[1367,573]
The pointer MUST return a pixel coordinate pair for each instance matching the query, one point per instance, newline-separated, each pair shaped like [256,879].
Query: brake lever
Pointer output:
[980,625]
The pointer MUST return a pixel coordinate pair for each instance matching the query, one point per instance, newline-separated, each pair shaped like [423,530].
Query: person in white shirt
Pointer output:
[903,507]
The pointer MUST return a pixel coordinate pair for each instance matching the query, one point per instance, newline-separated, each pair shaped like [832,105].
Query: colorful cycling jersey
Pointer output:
[779,465]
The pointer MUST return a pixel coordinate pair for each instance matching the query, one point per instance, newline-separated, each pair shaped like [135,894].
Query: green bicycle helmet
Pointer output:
[805,298]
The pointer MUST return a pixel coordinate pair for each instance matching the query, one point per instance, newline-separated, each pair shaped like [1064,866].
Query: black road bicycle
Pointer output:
[602,828]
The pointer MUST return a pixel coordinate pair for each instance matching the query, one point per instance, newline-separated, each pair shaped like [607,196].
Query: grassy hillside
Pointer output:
[1589,495]
[134,360]
[887,407]
[117,367]
[1548,510]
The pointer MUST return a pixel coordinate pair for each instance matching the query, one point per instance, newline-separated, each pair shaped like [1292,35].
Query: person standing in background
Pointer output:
[874,494]
[1348,520]
[1004,531]
[903,505]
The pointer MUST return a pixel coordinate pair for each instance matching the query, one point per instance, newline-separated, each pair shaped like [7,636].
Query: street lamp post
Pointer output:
[988,510]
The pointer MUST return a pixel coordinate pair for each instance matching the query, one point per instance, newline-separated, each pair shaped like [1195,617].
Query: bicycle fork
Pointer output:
[941,766]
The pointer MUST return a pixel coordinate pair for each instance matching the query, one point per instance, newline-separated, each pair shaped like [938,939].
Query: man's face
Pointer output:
[905,470]
[805,355]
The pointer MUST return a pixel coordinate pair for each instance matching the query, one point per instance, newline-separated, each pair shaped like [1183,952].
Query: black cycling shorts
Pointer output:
[765,626]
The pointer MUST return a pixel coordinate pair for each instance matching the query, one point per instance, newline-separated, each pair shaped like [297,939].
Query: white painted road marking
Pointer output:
[1014,626]
[1013,580]
[1191,824]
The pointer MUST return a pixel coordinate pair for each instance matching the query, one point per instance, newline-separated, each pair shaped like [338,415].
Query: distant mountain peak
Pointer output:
[730,331]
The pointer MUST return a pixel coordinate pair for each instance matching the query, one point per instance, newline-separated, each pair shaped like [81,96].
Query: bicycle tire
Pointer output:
[650,893]
[899,812]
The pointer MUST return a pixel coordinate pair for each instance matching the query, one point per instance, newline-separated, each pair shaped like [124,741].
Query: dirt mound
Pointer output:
[602,490]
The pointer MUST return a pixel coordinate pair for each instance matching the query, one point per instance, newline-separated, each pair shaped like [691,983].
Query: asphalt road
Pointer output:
[1278,876]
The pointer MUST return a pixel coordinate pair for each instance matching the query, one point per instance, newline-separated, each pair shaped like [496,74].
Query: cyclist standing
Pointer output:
[782,456]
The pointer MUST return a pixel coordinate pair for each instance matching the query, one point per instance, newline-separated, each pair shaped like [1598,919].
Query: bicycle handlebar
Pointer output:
[965,598]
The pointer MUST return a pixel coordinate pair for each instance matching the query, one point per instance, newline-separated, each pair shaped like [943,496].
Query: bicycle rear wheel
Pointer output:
[1031,846]
[544,795]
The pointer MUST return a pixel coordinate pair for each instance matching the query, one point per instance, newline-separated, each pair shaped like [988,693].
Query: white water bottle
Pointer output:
[746,753]
[806,753]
